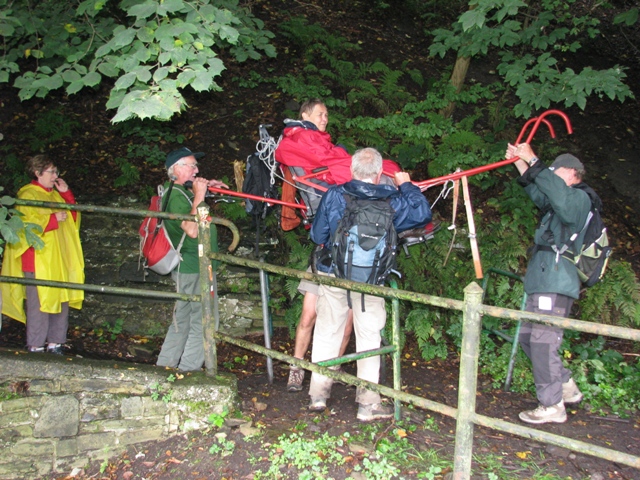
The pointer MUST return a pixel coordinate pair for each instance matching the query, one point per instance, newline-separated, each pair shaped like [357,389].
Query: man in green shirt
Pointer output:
[183,345]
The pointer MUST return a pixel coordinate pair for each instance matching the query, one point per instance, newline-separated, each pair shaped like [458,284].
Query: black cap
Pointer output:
[176,155]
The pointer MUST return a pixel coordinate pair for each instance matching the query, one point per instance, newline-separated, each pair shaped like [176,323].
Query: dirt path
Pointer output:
[422,442]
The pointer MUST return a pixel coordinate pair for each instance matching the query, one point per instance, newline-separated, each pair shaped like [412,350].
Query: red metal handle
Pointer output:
[425,184]
[224,191]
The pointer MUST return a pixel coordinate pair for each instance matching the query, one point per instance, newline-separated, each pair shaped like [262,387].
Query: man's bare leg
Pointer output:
[303,338]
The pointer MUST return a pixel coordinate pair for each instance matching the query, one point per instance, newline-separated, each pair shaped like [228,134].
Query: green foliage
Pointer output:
[130,173]
[414,133]
[162,391]
[217,419]
[152,49]
[494,361]
[222,446]
[427,326]
[299,251]
[608,382]
[14,175]
[146,137]
[12,226]
[531,39]
[50,126]
[232,210]
[311,457]
[109,332]
[628,18]
[615,299]
[327,73]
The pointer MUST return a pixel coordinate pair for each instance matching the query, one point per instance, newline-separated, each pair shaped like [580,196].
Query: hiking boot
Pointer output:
[374,411]
[542,414]
[571,393]
[296,376]
[317,404]
[55,348]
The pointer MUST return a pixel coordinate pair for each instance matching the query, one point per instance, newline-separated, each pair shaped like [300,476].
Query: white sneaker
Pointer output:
[571,393]
[542,414]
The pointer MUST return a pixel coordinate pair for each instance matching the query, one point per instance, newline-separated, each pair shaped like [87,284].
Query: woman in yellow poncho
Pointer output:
[60,259]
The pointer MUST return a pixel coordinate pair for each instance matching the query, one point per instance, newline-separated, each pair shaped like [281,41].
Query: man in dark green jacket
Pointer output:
[551,282]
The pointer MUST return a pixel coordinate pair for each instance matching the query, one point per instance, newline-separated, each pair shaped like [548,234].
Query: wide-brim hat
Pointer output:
[176,155]
[567,160]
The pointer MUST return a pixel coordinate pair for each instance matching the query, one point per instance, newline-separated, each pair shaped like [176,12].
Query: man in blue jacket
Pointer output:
[411,210]
[551,282]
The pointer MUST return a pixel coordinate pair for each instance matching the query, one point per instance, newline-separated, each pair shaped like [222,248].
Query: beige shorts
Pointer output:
[305,286]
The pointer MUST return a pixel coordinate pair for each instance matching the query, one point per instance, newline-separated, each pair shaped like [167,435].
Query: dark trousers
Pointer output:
[541,343]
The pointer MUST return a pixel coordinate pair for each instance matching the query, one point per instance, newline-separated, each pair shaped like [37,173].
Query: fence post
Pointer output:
[206,283]
[467,386]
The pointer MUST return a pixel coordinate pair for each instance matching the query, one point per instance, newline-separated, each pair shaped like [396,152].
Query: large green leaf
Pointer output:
[124,37]
[125,81]
[143,10]
[202,81]
[92,79]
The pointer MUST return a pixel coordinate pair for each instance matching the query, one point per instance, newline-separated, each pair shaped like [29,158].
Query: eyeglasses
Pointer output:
[192,165]
[52,172]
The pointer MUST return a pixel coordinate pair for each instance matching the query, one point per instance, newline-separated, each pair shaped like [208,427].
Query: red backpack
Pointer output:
[159,254]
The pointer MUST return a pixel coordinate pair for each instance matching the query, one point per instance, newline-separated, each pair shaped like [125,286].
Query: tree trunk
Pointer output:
[457,80]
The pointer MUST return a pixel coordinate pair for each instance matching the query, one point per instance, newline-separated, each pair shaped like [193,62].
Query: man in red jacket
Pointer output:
[305,143]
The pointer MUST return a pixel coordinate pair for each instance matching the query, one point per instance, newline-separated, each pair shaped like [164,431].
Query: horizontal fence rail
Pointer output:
[467,387]
[472,309]
[130,212]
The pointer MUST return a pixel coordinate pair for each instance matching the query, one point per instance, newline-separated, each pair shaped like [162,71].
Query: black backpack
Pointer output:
[365,244]
[593,256]
[257,181]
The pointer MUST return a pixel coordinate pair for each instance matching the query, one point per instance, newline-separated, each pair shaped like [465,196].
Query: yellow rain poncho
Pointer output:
[60,259]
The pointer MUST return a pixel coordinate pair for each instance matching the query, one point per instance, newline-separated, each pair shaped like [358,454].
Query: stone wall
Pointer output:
[57,413]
